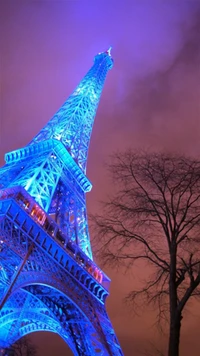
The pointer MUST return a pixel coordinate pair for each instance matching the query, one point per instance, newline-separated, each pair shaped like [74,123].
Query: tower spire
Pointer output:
[109,51]
[72,123]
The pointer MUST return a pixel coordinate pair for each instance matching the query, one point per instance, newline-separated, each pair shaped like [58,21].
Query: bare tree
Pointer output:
[154,216]
[22,347]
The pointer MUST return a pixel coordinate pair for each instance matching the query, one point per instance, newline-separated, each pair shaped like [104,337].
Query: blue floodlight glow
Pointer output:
[48,279]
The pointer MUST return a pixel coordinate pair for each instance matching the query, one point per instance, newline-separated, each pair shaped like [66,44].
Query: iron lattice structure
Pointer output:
[48,279]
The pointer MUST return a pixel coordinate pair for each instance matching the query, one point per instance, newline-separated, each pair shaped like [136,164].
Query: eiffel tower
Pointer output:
[48,279]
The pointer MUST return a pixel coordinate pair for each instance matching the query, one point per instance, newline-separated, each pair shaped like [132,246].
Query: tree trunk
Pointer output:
[174,335]
[175,316]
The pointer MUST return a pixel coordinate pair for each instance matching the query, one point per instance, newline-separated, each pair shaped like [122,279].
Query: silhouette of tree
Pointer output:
[154,216]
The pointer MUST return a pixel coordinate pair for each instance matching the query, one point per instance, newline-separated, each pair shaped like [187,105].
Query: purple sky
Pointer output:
[151,98]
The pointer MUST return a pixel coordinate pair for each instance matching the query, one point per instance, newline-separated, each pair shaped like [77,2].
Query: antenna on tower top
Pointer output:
[109,51]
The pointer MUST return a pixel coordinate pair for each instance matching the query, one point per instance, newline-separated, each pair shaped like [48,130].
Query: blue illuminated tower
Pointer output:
[48,279]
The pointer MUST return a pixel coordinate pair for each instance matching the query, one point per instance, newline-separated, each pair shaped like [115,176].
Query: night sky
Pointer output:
[150,99]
